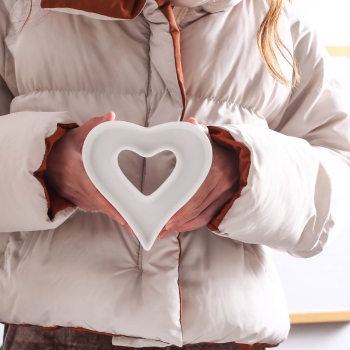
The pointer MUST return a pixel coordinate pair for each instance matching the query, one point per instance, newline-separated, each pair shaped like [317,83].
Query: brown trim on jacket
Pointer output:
[122,9]
[165,7]
[178,280]
[55,203]
[224,138]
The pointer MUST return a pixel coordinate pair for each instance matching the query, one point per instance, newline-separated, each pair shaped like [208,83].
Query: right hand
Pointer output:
[66,175]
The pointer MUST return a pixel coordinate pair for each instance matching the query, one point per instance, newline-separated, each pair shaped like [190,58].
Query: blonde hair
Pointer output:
[267,37]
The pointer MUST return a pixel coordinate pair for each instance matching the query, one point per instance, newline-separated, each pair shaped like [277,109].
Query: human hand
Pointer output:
[66,175]
[217,189]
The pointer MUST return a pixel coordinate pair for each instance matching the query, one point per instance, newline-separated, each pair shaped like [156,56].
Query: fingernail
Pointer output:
[121,222]
[170,225]
[106,116]
[162,235]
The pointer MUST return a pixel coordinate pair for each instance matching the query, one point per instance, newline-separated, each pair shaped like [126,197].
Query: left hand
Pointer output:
[217,189]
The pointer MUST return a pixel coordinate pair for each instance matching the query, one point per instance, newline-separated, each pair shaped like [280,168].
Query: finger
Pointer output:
[201,126]
[85,207]
[202,219]
[162,233]
[191,210]
[195,205]
[93,122]
[218,203]
[109,210]
[129,229]
[100,202]
[80,201]
[92,205]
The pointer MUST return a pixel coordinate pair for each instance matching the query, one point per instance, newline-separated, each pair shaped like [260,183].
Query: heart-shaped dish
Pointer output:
[147,215]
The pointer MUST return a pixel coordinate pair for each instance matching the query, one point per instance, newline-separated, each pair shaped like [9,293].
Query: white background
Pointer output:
[321,283]
[331,18]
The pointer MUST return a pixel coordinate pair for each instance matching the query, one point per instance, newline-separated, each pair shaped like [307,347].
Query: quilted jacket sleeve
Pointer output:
[297,193]
[23,198]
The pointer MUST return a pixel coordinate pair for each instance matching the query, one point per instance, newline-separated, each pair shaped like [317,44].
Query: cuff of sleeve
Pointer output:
[55,203]
[224,139]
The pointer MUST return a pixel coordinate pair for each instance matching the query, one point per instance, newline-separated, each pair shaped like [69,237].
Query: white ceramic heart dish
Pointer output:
[147,215]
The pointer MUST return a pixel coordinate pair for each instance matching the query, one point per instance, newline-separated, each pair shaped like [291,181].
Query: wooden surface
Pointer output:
[320,317]
[338,50]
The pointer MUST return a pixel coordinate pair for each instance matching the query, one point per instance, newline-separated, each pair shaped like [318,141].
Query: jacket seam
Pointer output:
[148,109]
[139,260]
[3,54]
[211,99]
[3,47]
[2,266]
[85,92]
[7,249]
[67,91]
[179,285]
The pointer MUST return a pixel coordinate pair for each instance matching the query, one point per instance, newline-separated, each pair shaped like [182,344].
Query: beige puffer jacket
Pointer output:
[74,60]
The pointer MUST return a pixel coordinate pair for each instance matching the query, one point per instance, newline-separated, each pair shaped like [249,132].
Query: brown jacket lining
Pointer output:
[55,203]
[53,328]
[224,138]
[123,9]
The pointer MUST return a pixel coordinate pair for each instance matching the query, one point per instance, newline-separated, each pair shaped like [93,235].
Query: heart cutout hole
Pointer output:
[135,168]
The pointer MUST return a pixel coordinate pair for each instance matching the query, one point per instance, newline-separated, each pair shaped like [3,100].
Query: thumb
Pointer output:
[200,126]
[90,124]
